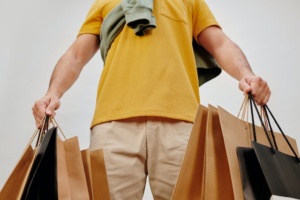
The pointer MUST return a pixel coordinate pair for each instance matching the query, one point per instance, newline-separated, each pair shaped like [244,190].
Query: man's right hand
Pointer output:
[45,106]
[65,74]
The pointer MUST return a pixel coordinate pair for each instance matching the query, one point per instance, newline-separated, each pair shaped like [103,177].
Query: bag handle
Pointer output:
[267,110]
[287,141]
[268,123]
[38,133]
[260,118]
[44,124]
[45,127]
[54,122]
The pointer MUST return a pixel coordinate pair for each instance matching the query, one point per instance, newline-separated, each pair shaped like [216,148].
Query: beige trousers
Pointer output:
[141,146]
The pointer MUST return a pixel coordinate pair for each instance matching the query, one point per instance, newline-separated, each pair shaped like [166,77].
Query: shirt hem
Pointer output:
[112,117]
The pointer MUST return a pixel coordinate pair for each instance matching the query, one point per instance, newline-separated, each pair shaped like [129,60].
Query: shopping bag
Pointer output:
[85,155]
[236,132]
[52,169]
[276,173]
[190,180]
[251,173]
[217,180]
[96,177]
[42,180]
[75,169]
[15,183]
[275,197]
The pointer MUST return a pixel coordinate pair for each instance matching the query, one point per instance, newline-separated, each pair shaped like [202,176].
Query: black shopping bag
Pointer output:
[42,179]
[52,169]
[253,180]
[267,171]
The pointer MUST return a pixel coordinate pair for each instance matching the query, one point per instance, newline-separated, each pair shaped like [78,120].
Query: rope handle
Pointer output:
[54,122]
[45,126]
[40,132]
[35,133]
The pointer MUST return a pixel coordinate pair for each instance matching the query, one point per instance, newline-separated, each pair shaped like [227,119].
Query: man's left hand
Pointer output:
[257,86]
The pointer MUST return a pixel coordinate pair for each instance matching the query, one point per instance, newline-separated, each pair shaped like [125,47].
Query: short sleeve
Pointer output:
[202,17]
[93,20]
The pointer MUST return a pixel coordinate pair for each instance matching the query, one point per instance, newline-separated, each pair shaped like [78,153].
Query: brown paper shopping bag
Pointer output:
[210,169]
[71,178]
[217,182]
[54,169]
[96,177]
[204,174]
[15,183]
[57,171]
[238,133]
[75,169]
[190,180]
[42,180]
[266,171]
[85,155]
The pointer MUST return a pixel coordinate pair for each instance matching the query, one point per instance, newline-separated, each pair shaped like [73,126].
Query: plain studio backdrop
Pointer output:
[35,33]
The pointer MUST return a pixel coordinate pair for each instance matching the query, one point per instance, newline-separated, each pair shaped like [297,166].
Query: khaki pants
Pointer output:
[141,146]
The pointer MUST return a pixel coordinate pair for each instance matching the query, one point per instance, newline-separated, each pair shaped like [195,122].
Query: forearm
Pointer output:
[70,65]
[65,73]
[226,52]
[232,60]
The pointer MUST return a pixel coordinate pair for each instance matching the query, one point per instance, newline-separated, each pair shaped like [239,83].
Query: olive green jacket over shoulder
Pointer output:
[137,14]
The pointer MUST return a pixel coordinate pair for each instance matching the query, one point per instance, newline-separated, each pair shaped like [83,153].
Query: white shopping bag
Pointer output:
[274,197]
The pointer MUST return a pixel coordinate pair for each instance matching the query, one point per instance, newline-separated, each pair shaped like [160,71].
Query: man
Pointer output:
[148,92]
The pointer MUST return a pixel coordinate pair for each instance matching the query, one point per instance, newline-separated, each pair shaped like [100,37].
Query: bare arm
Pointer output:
[65,74]
[233,61]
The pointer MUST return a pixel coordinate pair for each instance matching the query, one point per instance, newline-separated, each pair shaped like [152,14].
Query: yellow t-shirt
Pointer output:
[152,75]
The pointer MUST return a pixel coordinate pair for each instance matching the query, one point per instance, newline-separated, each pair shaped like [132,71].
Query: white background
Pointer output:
[35,33]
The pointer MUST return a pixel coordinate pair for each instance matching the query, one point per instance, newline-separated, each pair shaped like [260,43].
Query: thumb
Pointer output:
[244,86]
[53,105]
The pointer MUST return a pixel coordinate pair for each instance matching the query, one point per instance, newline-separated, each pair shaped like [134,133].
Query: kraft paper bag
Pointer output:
[75,169]
[217,180]
[85,155]
[53,169]
[267,171]
[95,171]
[190,180]
[57,171]
[238,133]
[70,174]
[42,180]
[15,183]
[210,169]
